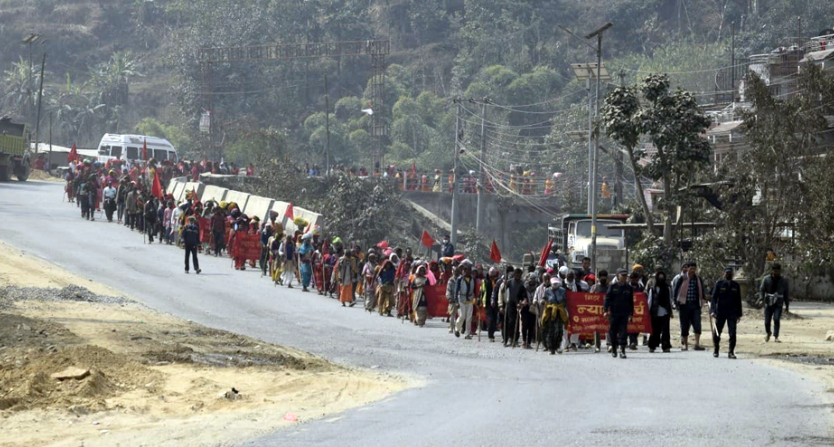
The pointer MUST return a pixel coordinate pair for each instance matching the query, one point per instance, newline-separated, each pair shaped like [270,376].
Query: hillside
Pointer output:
[123,65]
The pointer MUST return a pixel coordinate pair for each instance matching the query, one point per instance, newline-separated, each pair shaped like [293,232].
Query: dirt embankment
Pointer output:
[78,366]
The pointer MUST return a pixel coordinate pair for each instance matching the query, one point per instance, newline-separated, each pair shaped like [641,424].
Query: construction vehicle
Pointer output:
[572,237]
[14,151]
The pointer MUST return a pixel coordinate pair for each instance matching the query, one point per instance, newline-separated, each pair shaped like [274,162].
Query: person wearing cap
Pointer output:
[447,249]
[465,298]
[774,292]
[690,296]
[265,234]
[191,239]
[660,310]
[725,308]
[618,307]
[499,298]
[452,311]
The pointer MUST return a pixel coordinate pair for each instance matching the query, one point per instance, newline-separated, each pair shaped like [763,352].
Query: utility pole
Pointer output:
[733,61]
[588,207]
[618,161]
[49,162]
[458,131]
[327,126]
[598,35]
[40,97]
[479,217]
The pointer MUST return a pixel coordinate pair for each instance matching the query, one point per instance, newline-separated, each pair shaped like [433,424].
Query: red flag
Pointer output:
[382,244]
[145,150]
[73,154]
[545,252]
[494,254]
[289,213]
[427,239]
[156,189]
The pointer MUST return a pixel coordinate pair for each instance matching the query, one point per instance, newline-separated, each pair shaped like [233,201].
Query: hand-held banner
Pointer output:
[585,314]
[247,246]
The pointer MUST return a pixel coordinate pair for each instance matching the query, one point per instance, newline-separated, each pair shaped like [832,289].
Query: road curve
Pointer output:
[474,394]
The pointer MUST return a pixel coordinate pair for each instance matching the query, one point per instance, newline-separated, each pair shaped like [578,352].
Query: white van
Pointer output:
[129,148]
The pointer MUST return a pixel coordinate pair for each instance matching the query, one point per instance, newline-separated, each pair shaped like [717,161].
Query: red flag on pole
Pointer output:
[427,239]
[156,189]
[73,154]
[145,150]
[289,212]
[494,254]
[545,252]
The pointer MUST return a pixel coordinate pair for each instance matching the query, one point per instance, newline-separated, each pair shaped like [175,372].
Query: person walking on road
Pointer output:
[346,271]
[287,252]
[601,286]
[385,291]
[452,310]
[516,294]
[489,302]
[618,307]
[774,292]
[660,309]
[689,293]
[465,298]
[555,316]
[191,239]
[109,195]
[725,307]
[150,219]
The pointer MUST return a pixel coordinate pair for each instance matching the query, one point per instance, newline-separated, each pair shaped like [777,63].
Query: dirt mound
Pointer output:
[26,377]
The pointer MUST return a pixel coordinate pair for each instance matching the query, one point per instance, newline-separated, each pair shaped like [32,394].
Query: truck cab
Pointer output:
[573,237]
[14,151]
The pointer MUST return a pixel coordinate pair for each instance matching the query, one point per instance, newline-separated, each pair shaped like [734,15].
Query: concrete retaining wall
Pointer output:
[238,197]
[214,193]
[258,206]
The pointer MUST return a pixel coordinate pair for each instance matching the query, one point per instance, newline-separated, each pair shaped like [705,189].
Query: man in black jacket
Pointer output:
[618,307]
[150,218]
[191,239]
[774,292]
[516,297]
[725,308]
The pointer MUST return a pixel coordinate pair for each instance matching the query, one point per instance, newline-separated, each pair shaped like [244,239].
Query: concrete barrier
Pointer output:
[179,192]
[238,197]
[258,206]
[214,192]
[195,186]
[289,228]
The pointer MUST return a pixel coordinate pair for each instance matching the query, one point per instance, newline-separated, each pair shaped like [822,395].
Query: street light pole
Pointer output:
[455,199]
[598,35]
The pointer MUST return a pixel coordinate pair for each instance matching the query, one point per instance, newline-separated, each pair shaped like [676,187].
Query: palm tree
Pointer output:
[19,96]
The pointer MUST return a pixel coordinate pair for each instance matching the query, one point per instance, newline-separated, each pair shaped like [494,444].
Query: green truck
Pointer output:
[14,151]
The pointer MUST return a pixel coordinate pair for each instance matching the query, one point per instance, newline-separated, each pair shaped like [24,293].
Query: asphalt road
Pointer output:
[475,394]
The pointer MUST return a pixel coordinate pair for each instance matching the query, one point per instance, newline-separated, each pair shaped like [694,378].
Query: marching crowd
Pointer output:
[526,306]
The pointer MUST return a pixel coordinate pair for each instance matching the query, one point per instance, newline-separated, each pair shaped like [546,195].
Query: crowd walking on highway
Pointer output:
[526,306]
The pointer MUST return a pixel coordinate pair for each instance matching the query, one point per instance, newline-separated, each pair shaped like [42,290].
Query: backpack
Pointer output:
[83,188]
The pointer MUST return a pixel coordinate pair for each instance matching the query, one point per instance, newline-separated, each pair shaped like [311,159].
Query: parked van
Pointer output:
[129,148]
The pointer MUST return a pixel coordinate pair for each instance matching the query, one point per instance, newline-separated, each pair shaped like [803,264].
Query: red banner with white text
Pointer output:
[585,314]
[247,246]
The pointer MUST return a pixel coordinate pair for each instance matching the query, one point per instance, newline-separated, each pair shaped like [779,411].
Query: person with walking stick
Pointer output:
[516,294]
[725,308]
